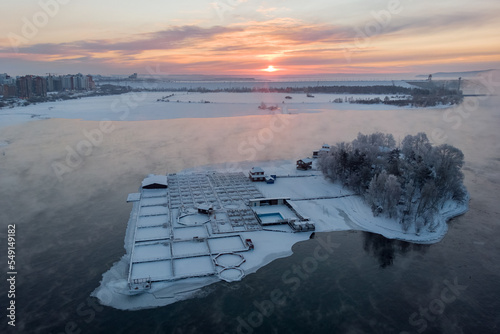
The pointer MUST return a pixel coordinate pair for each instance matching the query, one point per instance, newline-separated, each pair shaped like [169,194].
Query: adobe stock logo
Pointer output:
[265,136]
[123,105]
[450,293]
[291,280]
[379,24]
[31,26]
[223,6]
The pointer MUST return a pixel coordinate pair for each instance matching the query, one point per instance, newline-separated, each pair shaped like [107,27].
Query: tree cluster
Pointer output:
[419,101]
[408,182]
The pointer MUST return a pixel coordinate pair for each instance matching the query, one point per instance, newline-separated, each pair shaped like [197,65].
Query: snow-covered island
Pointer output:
[194,228]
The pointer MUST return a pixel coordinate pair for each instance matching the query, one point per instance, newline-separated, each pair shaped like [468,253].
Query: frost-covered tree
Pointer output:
[429,198]
[392,194]
[375,194]
[415,147]
[408,182]
[448,162]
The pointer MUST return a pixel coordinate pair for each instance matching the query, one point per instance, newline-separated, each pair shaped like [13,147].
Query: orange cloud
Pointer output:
[300,47]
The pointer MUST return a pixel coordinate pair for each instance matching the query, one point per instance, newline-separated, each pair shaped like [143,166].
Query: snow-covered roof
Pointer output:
[257,170]
[155,179]
[325,148]
[307,160]
[205,207]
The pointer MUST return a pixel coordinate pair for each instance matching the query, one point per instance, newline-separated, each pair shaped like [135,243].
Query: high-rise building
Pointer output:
[89,83]
[40,86]
[29,86]
[6,79]
[67,82]
[57,84]
[50,83]
[78,82]
[25,86]
[9,91]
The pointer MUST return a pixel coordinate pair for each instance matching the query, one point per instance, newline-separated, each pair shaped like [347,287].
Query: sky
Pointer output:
[248,37]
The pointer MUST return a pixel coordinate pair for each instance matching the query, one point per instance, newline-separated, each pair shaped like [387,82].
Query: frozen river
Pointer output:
[67,199]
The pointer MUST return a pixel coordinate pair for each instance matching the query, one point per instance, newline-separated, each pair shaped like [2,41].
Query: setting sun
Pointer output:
[270,69]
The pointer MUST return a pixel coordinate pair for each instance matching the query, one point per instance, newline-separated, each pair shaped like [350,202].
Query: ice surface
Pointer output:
[190,232]
[154,201]
[191,105]
[155,270]
[153,193]
[153,210]
[231,274]
[193,219]
[149,221]
[189,248]
[194,266]
[151,252]
[134,197]
[221,245]
[151,233]
[229,260]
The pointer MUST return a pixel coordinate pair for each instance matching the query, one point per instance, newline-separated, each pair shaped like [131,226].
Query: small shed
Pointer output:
[304,164]
[269,179]
[155,182]
[205,209]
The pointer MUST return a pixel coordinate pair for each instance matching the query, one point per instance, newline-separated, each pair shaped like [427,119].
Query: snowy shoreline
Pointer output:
[146,106]
[336,210]
[451,210]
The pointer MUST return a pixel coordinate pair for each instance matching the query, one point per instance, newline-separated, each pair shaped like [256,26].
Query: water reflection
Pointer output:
[385,250]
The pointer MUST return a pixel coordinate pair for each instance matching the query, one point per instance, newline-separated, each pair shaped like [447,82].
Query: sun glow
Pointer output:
[270,68]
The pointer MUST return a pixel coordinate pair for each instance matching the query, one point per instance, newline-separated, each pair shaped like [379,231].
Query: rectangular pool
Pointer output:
[272,217]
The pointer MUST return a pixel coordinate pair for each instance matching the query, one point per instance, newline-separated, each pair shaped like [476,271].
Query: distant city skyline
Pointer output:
[248,38]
